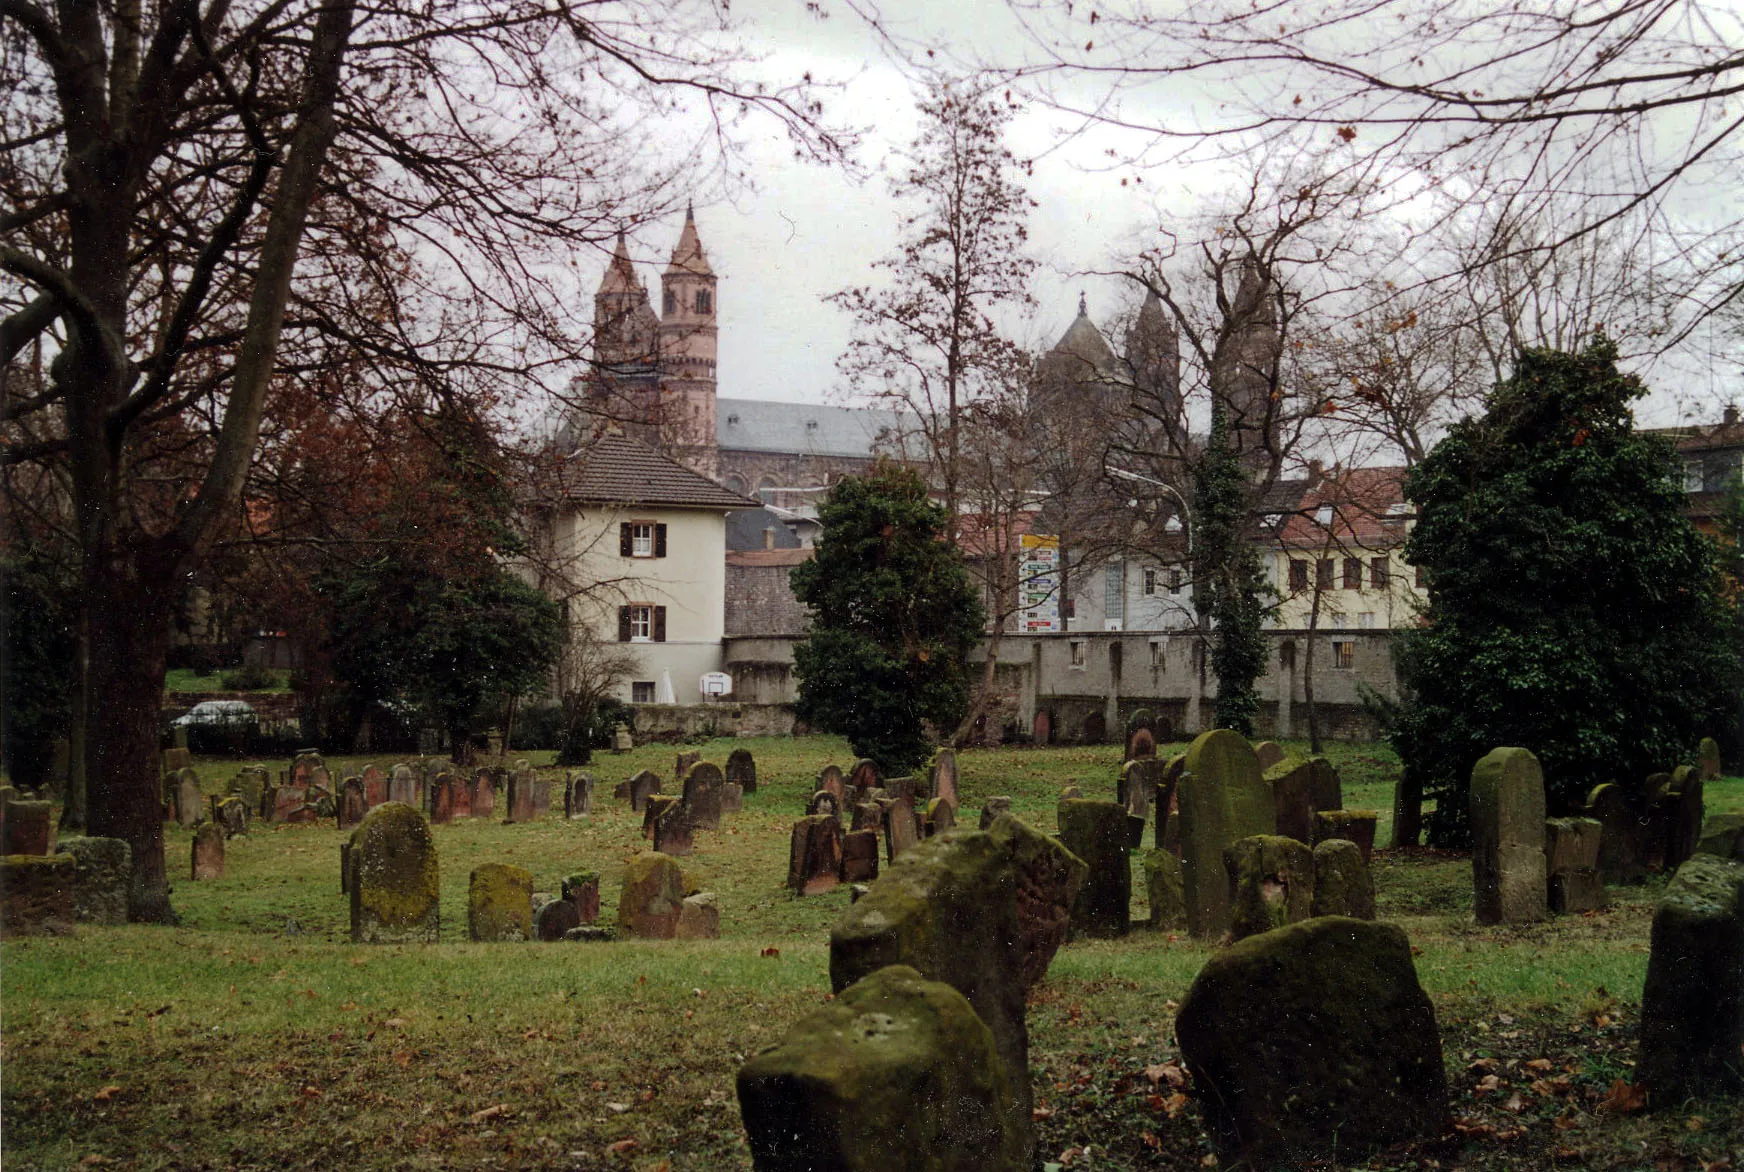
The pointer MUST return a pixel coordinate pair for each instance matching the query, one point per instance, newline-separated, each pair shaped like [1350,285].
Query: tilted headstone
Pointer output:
[741,770]
[1509,883]
[1223,798]
[1708,759]
[1292,784]
[291,804]
[36,893]
[29,828]
[640,786]
[395,880]
[1571,858]
[582,890]
[941,815]
[233,816]
[1140,778]
[1271,883]
[578,795]
[992,808]
[1357,826]
[699,917]
[1691,1028]
[1291,1064]
[982,912]
[830,778]
[102,875]
[353,802]
[1097,833]
[1269,753]
[1163,888]
[1343,885]
[656,805]
[208,852]
[942,776]
[702,795]
[859,856]
[814,856]
[864,775]
[674,830]
[499,903]
[653,891]
[897,1071]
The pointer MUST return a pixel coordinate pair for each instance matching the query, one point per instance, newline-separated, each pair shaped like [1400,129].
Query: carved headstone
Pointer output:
[1097,833]
[1342,883]
[519,807]
[742,770]
[649,903]
[991,809]
[860,856]
[582,890]
[1269,753]
[1620,848]
[578,796]
[208,851]
[1223,798]
[674,829]
[1271,883]
[375,786]
[1691,1029]
[699,917]
[102,876]
[1708,759]
[814,858]
[732,798]
[1507,819]
[941,815]
[1571,858]
[554,919]
[353,802]
[395,882]
[685,761]
[499,903]
[484,793]
[830,778]
[1292,783]
[942,776]
[641,785]
[403,786]
[864,775]
[29,828]
[442,798]
[233,816]
[1357,826]
[896,822]
[702,795]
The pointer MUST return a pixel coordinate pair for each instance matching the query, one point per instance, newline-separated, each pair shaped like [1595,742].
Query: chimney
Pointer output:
[1731,414]
[769,537]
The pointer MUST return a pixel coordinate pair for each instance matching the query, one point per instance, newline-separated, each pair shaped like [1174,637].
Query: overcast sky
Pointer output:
[805,231]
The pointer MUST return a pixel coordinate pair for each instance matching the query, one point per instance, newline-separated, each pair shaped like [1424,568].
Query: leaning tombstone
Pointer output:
[395,881]
[896,822]
[578,796]
[1269,753]
[897,1072]
[652,894]
[1096,832]
[674,830]
[1343,885]
[699,917]
[814,857]
[1708,759]
[1163,881]
[742,770]
[102,876]
[992,808]
[1357,1059]
[1571,860]
[684,762]
[36,893]
[208,852]
[1507,820]
[702,795]
[982,912]
[1692,1035]
[1139,779]
[941,815]
[1271,883]
[859,856]
[499,903]
[640,786]
[656,805]
[942,776]
[1223,798]
[233,816]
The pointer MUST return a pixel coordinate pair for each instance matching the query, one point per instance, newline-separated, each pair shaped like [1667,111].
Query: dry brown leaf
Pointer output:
[1041,1113]
[1624,1098]
[770,952]
[309,1092]
[395,1023]
[1175,1104]
[1514,1103]
[1487,1084]
[1539,1064]
[403,1057]
[495,1111]
[1565,1122]
[1166,1072]
[107,1093]
[622,1148]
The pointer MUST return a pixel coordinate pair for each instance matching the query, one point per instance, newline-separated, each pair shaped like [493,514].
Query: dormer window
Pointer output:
[1323,514]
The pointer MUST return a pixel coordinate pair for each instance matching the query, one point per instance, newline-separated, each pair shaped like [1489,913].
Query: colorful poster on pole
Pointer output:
[1038,583]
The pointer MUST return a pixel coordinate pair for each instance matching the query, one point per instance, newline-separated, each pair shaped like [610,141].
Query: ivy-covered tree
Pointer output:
[1573,608]
[1228,583]
[893,619]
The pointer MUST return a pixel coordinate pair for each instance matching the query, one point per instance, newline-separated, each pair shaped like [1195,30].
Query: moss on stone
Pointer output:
[1271,883]
[499,903]
[397,890]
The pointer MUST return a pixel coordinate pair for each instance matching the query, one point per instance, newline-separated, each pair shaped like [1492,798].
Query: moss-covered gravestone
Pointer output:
[1097,832]
[499,903]
[859,856]
[36,893]
[1343,885]
[1269,753]
[992,808]
[395,882]
[1163,881]
[741,770]
[1571,860]
[699,917]
[1356,826]
[208,852]
[1292,782]
[1223,798]
[1621,853]
[674,832]
[582,890]
[653,889]
[1692,1006]
[1509,881]
[190,803]
[554,919]
[982,911]
[1139,782]
[864,775]
[103,872]
[1708,759]
[897,1073]
[1311,1042]
[941,815]
[702,795]
[1271,883]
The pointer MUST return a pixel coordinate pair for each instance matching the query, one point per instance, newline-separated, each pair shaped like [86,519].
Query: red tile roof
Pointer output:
[616,469]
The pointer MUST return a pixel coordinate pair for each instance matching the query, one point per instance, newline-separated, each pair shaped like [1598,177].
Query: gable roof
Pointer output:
[1368,511]
[812,429]
[615,469]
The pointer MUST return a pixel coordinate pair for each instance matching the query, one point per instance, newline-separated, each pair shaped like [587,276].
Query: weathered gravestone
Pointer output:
[1271,883]
[442,798]
[868,816]
[1311,1042]
[656,805]
[375,786]
[824,802]
[992,808]
[896,822]
[1571,860]
[1684,812]
[1620,828]
[578,795]
[830,778]
[190,802]
[37,893]
[684,762]
[1096,832]
[622,741]
[208,861]
[483,793]
[897,1073]
[553,920]
[307,769]
[864,775]
[1509,884]
[640,786]
[1269,753]
[983,912]
[233,816]
[102,874]
[499,903]
[1356,826]
[403,786]
[353,802]
[1343,885]
[859,856]
[1223,798]
[582,890]
[1145,721]
[1041,727]
[176,758]
[814,857]
[1328,786]
[1708,759]
[1723,835]
[699,917]
[1692,1005]
[1292,784]
[29,827]
[652,894]
[519,807]
[1141,744]
[942,777]
[540,788]
[941,815]
[674,829]
[742,770]
[1163,880]
[702,795]
[395,882]
[732,798]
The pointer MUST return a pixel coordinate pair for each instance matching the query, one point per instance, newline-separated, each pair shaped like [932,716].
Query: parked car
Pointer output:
[217,714]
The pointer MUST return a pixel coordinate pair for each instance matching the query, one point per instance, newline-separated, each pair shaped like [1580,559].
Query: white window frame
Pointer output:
[637,687]
[1149,586]
[641,622]
[641,539]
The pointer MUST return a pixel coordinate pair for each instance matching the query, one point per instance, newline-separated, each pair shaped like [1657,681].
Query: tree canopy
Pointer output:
[893,620]
[1573,607]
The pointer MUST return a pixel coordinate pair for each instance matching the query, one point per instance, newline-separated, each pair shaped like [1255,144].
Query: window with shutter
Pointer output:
[1353,568]
[1298,574]
[623,624]
[660,540]
[660,624]
[625,540]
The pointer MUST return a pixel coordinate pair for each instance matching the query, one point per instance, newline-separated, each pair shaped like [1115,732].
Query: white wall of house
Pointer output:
[1370,605]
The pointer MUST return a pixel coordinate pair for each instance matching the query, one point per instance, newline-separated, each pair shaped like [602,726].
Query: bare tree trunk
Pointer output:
[1308,673]
[1407,810]
[73,805]
[983,693]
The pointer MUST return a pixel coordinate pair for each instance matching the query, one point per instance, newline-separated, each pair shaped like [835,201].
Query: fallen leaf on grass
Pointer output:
[622,1148]
[310,1092]
[107,1093]
[395,1023]
[403,1057]
[1695,1123]
[496,1111]
[1624,1098]
[1486,1084]
[617,1108]
[1166,1072]
[770,952]
[1539,1064]
[1514,1103]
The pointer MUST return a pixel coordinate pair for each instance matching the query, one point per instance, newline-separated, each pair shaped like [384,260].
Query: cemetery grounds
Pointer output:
[255,1036]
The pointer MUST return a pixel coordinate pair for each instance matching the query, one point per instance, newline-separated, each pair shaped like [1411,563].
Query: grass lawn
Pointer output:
[186,679]
[255,1036]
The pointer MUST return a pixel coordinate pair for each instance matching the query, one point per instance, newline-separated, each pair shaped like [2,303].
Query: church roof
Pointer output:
[616,469]
[811,429]
[621,272]
[1082,340]
[688,256]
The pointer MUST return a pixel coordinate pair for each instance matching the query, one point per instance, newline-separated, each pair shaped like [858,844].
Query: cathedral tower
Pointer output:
[688,341]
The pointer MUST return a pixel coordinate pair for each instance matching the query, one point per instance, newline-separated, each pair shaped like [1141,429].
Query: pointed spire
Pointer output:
[1083,306]
[620,273]
[688,257]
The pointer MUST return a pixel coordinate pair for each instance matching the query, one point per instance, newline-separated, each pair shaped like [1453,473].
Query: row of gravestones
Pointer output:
[388,868]
[924,1046]
[824,852]
[706,794]
[48,883]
